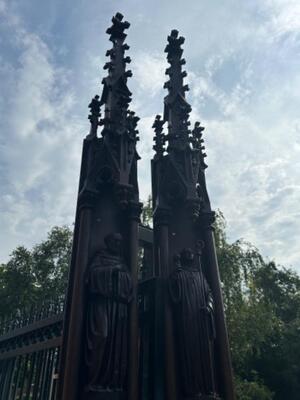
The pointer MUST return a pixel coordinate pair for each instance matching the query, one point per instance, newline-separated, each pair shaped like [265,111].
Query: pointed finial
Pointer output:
[94,116]
[159,138]
[116,31]
[132,121]
[177,109]
[174,43]
[174,53]
[116,96]
[197,141]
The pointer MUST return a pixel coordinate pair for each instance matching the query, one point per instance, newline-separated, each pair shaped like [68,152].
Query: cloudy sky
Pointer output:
[243,61]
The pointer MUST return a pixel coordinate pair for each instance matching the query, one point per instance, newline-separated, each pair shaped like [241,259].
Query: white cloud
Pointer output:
[253,173]
[149,73]
[40,171]
[284,16]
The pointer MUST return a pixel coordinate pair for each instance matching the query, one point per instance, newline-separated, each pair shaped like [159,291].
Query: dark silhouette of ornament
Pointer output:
[94,116]
[116,96]
[159,137]
[177,109]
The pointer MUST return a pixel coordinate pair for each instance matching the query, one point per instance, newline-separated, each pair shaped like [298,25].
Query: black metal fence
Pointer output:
[29,353]
[30,341]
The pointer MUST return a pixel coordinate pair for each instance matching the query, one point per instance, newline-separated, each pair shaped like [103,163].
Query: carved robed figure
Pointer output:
[110,292]
[193,307]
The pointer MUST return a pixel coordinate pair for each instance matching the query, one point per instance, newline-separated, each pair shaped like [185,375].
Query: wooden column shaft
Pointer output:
[70,390]
[133,313]
[162,243]
[223,350]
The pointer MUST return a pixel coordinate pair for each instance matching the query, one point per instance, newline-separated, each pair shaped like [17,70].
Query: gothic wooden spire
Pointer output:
[177,109]
[116,96]
[184,251]
[100,359]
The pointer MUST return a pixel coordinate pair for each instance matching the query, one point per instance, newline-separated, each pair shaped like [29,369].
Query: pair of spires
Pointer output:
[116,97]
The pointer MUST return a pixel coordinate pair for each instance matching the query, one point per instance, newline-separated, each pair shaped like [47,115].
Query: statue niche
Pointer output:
[193,312]
[110,292]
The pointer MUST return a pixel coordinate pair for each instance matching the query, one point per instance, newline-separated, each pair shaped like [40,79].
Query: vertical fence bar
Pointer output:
[44,374]
[56,375]
[29,382]
[15,379]
[2,376]
[24,376]
[38,374]
[8,380]
[51,373]
[47,377]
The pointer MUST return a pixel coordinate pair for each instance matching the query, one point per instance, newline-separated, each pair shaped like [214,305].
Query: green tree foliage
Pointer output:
[262,304]
[39,275]
[252,390]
